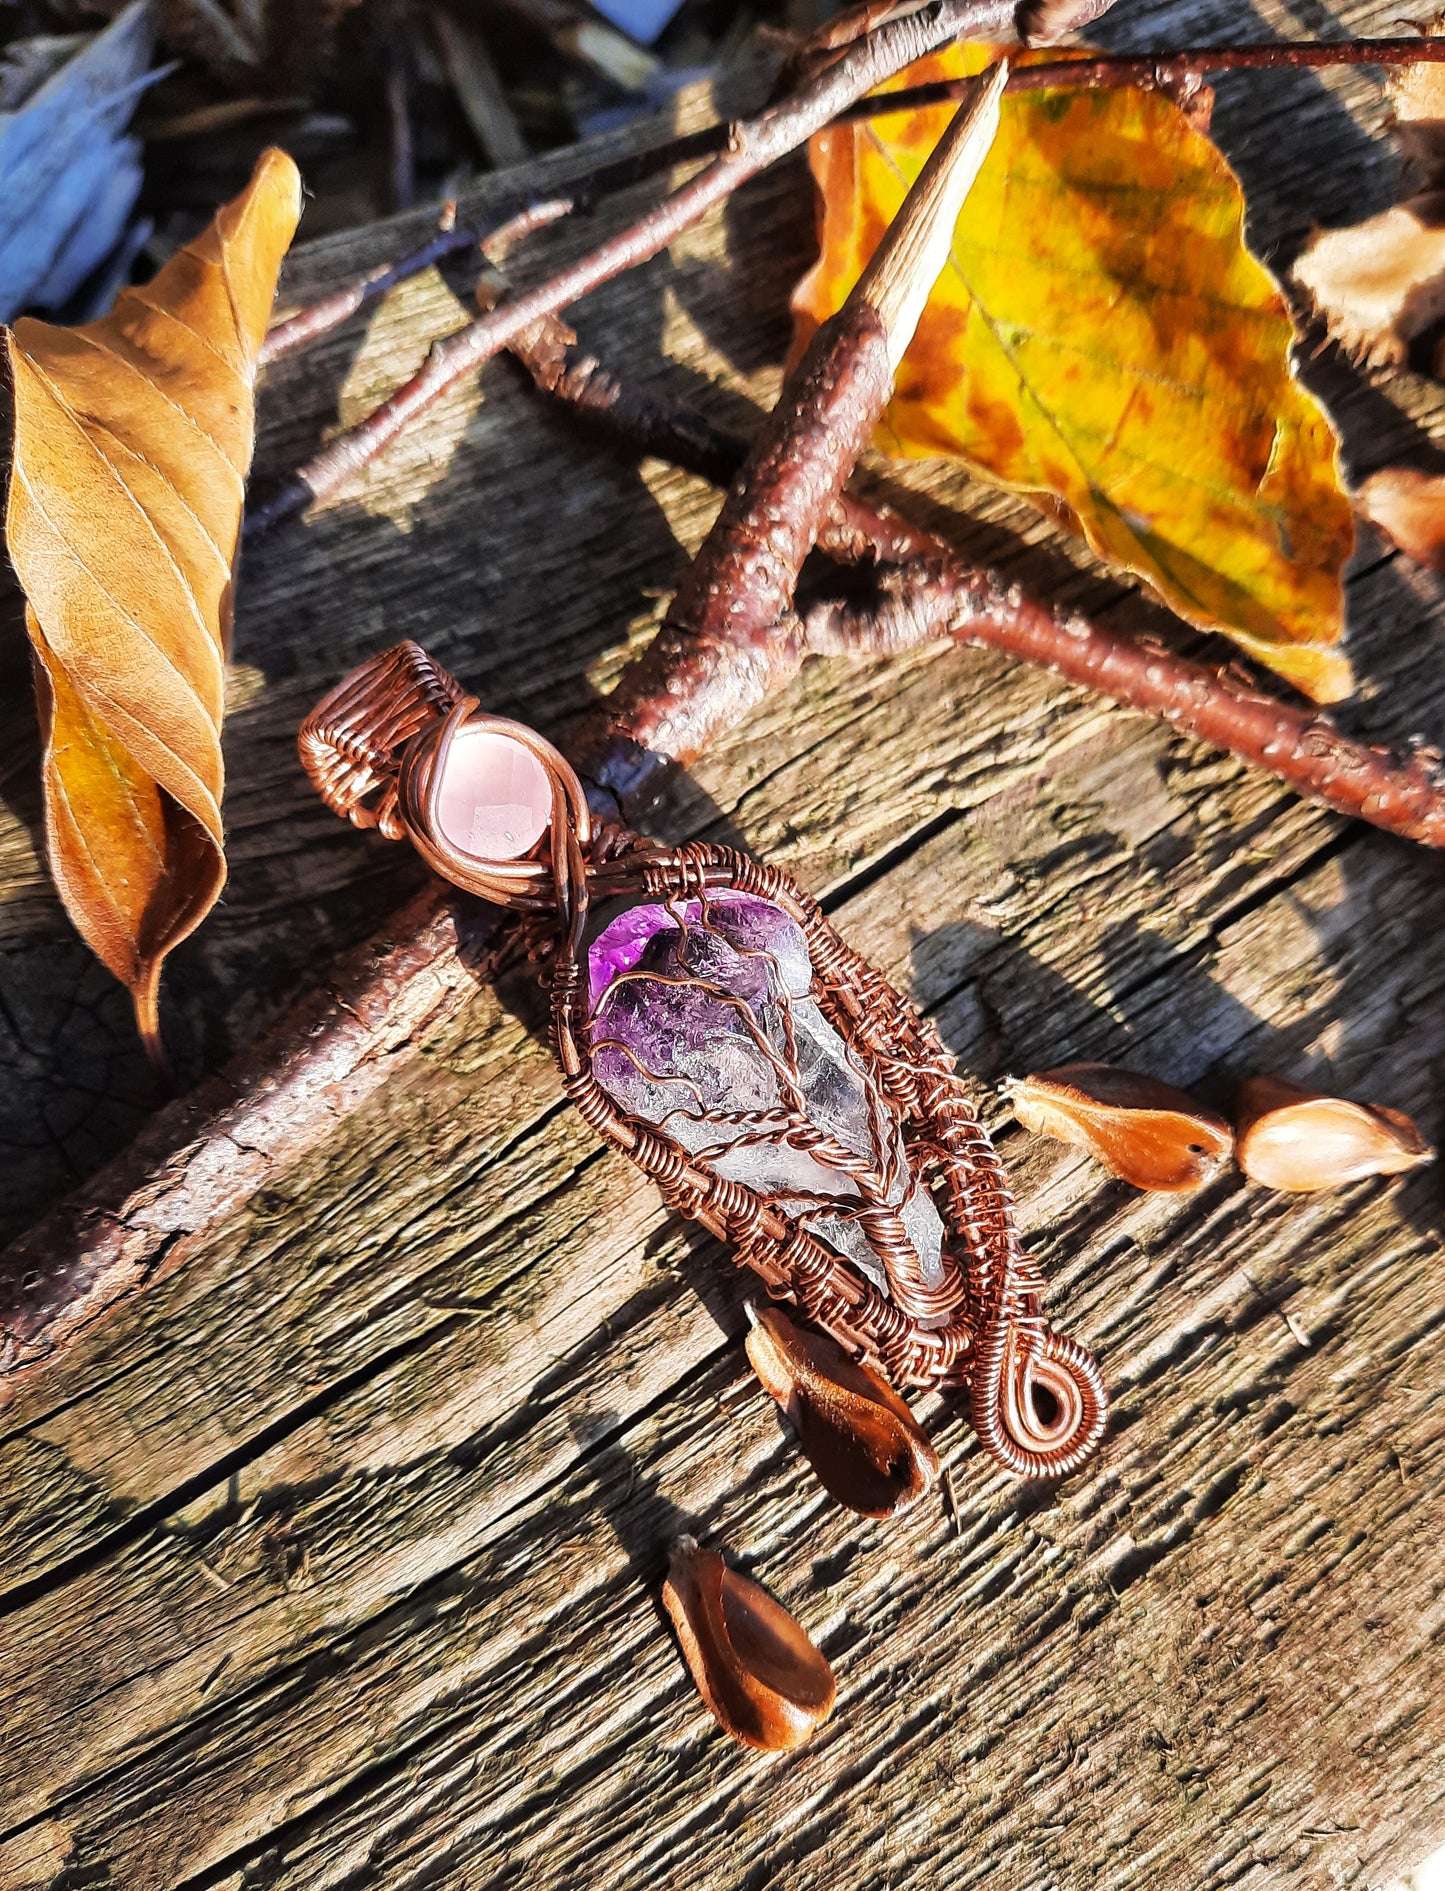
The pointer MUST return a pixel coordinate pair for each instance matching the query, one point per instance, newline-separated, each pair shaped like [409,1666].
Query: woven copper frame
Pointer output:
[382,734]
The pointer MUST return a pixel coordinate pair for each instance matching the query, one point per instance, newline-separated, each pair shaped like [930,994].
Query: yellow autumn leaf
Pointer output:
[133,438]
[1103,340]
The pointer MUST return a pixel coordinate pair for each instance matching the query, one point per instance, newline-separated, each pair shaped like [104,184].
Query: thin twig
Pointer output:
[921,591]
[398,111]
[1163,70]
[319,317]
[307,324]
[753,144]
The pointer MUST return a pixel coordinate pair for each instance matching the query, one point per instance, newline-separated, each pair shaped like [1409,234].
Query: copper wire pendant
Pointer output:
[712,1025]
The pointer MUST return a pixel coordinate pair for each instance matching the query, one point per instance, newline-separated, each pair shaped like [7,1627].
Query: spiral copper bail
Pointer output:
[376,749]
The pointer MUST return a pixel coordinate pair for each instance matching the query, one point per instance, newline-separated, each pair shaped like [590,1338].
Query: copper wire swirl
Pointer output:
[376,747]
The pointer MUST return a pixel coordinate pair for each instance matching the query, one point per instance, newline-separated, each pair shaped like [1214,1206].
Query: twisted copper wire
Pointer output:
[351,740]
[375,748]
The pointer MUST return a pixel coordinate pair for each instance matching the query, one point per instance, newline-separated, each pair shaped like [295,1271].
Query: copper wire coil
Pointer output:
[351,742]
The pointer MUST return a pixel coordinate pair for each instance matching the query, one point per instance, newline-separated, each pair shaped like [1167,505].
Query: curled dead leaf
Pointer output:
[762,1678]
[1290,1137]
[1380,283]
[1103,341]
[1409,508]
[867,1448]
[133,437]
[1145,1131]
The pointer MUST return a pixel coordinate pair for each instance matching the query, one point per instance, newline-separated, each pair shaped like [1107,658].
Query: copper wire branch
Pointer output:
[375,747]
[982,1324]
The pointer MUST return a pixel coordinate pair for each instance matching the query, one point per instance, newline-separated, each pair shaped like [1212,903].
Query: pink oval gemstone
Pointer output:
[495,801]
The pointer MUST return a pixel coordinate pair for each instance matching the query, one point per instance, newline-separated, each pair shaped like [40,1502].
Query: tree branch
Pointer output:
[752,145]
[938,596]
[920,591]
[202,1158]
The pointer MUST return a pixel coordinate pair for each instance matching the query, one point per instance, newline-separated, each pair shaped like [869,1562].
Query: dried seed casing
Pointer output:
[763,1680]
[865,1445]
[1144,1131]
[1290,1137]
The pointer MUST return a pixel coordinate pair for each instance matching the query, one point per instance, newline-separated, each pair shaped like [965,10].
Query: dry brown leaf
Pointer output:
[1409,508]
[755,1667]
[1145,1131]
[133,437]
[1301,1140]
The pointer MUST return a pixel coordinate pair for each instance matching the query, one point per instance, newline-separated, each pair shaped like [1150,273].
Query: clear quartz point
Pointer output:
[701,1012]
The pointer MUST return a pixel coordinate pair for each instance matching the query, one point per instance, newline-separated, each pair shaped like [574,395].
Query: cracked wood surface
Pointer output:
[332,1558]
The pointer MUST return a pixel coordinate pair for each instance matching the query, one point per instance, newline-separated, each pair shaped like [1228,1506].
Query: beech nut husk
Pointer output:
[1143,1130]
[1289,1137]
[763,1680]
[867,1448]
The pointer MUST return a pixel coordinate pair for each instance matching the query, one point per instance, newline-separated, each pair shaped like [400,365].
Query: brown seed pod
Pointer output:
[1041,22]
[763,1680]
[1143,1130]
[867,1448]
[1289,1137]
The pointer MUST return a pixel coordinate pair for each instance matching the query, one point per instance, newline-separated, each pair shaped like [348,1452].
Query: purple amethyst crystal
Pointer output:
[704,1025]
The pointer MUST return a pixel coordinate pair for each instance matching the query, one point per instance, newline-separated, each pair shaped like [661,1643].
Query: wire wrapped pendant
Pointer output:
[712,1025]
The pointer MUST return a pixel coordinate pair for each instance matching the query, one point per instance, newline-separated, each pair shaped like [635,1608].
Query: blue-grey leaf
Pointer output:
[69,174]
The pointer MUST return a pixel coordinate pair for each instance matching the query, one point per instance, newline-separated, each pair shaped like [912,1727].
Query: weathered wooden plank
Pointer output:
[511,1658]
[355,1584]
[432,1153]
[326,1562]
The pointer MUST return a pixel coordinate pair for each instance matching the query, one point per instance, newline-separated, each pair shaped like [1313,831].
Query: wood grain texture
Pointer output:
[332,1559]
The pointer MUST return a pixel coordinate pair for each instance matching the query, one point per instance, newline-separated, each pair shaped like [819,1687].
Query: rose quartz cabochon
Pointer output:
[495,800]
